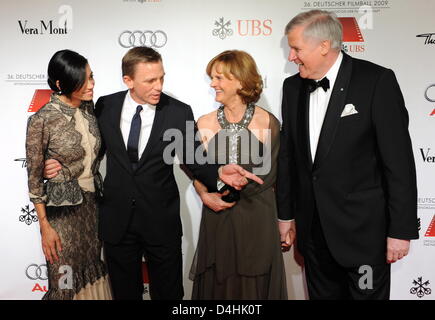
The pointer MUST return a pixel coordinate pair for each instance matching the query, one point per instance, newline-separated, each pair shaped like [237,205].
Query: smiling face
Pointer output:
[147,83]
[226,88]
[86,92]
[307,53]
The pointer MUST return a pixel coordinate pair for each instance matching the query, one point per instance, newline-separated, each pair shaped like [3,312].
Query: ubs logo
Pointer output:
[223,29]
[352,33]
[421,287]
[28,215]
[244,28]
[254,28]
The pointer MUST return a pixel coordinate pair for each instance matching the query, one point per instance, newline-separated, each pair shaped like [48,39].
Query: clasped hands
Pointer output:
[232,175]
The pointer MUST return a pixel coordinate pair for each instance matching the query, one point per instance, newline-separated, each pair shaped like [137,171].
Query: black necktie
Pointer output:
[313,85]
[133,138]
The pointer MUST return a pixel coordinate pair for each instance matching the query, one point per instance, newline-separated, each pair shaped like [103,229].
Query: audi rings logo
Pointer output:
[152,39]
[426,93]
[35,272]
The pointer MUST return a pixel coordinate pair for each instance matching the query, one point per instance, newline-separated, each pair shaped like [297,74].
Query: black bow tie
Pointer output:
[313,85]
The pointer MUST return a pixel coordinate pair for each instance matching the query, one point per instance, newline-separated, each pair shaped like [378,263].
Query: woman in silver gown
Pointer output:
[239,253]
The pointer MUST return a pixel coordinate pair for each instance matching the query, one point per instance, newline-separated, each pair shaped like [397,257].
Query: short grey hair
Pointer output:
[319,24]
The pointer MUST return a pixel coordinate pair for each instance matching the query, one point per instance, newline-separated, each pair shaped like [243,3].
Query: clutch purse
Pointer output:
[233,196]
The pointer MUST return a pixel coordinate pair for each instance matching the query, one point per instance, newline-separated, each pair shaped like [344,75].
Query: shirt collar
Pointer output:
[133,104]
[333,71]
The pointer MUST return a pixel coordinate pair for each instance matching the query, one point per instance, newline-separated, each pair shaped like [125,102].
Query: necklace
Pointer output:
[233,130]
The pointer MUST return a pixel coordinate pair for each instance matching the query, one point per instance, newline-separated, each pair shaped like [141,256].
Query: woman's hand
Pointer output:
[214,201]
[51,168]
[51,244]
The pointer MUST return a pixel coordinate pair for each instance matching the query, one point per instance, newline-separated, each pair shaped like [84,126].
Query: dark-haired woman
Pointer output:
[65,129]
[239,252]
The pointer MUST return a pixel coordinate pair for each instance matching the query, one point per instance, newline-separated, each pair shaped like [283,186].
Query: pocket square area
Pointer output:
[348,110]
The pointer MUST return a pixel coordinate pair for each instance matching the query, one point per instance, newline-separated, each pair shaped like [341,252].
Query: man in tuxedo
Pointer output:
[346,167]
[140,211]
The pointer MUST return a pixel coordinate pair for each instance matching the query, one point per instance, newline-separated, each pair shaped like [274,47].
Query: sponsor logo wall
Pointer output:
[154,39]
[188,35]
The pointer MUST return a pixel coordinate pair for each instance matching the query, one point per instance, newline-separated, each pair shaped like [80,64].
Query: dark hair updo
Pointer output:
[69,68]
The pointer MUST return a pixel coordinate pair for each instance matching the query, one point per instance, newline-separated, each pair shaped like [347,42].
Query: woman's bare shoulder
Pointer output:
[265,117]
[207,120]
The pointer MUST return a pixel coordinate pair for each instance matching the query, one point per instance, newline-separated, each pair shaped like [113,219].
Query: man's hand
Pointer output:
[287,231]
[214,201]
[51,169]
[237,177]
[396,249]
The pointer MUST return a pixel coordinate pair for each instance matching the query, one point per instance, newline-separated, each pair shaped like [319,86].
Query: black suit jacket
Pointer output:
[151,188]
[363,179]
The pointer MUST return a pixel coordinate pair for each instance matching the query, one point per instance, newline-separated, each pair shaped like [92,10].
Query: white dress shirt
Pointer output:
[319,100]
[147,118]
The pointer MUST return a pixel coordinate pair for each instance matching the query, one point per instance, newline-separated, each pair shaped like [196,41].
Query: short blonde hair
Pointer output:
[242,66]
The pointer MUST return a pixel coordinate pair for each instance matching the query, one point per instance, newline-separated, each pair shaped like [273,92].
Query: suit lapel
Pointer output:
[303,124]
[156,130]
[334,110]
[115,124]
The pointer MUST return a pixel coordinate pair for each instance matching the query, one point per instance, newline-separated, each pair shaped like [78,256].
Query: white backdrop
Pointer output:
[33,30]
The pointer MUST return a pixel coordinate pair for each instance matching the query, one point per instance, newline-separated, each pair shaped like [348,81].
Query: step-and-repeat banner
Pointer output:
[398,34]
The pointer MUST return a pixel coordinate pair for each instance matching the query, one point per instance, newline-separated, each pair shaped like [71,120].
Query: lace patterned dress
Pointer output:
[71,136]
[239,253]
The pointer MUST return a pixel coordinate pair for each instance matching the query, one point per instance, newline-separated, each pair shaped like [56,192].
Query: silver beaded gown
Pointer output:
[239,254]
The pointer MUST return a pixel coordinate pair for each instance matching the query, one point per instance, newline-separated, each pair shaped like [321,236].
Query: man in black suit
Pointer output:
[346,168]
[140,211]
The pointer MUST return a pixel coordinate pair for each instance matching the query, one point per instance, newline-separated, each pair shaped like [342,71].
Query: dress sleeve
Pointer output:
[36,144]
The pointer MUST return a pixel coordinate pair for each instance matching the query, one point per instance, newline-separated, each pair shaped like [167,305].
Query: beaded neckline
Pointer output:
[234,130]
[242,124]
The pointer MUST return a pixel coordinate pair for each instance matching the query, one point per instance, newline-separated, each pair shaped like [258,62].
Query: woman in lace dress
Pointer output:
[65,129]
[239,253]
